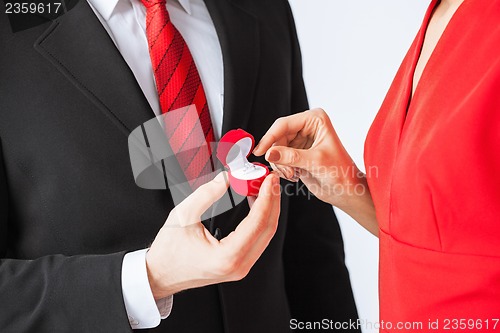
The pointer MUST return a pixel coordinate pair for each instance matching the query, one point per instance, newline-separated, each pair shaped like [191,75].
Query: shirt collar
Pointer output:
[107,7]
[186,5]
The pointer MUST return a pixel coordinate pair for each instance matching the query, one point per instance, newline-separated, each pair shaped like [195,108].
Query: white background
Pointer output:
[351,52]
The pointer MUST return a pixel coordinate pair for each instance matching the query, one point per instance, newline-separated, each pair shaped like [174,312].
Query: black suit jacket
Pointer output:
[70,208]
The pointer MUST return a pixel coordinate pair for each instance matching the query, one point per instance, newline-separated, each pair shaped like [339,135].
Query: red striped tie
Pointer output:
[179,88]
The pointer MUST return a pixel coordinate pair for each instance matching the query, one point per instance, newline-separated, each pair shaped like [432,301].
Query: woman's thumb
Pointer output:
[287,156]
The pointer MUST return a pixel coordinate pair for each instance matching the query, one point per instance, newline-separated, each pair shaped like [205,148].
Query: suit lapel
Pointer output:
[238,33]
[78,46]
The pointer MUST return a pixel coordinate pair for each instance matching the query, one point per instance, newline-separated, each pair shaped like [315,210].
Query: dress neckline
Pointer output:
[418,51]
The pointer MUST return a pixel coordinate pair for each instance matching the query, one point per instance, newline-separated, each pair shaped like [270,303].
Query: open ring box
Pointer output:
[233,150]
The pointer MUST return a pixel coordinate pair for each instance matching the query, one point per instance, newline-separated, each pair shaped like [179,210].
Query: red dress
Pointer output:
[434,174]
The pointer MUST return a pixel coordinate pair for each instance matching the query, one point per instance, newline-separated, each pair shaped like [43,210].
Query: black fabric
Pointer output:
[69,206]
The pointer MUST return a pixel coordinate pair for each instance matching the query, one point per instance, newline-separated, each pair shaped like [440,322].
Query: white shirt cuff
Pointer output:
[142,309]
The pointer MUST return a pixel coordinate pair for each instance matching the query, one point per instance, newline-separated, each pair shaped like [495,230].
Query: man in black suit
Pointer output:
[70,211]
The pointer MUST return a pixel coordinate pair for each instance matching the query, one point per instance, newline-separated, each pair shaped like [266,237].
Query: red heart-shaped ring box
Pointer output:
[233,150]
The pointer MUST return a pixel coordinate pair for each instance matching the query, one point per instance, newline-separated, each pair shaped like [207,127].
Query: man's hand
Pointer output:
[185,255]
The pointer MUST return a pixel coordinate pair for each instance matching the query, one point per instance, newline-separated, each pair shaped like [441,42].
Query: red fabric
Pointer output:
[189,131]
[433,169]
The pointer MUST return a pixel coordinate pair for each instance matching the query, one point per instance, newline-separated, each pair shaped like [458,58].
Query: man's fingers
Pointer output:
[251,201]
[263,239]
[255,249]
[202,199]
[289,157]
[261,220]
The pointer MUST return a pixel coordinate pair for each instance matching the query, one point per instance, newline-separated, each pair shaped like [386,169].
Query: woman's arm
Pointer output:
[307,142]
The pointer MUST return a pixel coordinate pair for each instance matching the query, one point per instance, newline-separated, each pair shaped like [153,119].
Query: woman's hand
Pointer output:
[307,142]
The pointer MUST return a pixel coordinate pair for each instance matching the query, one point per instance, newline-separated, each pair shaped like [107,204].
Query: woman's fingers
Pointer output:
[286,129]
[285,172]
[282,128]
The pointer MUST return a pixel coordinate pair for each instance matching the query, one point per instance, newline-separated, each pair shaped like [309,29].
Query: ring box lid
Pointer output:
[233,151]
[234,144]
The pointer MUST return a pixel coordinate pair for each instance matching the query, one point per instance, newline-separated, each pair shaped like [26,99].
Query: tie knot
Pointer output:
[151,3]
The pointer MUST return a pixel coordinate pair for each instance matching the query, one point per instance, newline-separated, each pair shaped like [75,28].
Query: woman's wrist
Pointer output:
[343,186]
[357,202]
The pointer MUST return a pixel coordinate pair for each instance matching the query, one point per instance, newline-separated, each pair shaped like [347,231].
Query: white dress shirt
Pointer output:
[125,22]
